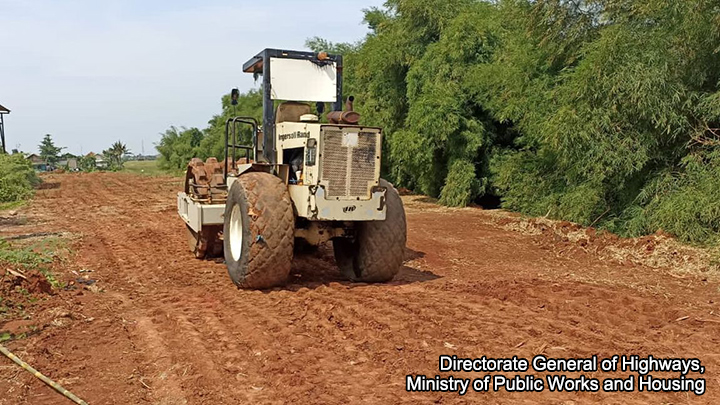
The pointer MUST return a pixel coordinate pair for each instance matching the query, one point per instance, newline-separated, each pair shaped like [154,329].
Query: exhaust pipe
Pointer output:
[348,117]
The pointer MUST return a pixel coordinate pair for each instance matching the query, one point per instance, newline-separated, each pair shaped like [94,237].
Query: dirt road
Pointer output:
[169,329]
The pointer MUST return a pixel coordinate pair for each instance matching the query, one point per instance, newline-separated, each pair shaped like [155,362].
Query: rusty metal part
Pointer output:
[216,180]
[197,245]
[207,242]
[344,117]
[232,165]
[197,180]
[317,232]
[191,238]
[205,181]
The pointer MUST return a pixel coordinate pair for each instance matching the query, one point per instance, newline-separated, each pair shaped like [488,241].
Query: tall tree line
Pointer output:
[602,112]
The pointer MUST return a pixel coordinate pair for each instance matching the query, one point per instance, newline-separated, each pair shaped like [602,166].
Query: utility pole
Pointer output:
[2,133]
[3,111]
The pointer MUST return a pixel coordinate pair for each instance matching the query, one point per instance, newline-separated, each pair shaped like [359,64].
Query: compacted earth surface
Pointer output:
[133,318]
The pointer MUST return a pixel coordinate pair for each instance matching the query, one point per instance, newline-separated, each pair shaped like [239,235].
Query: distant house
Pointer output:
[70,163]
[38,163]
[41,165]
[100,161]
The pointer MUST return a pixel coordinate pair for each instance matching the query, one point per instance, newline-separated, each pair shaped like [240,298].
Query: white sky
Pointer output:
[94,72]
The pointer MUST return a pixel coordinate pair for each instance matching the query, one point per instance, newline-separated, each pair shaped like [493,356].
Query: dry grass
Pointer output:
[658,251]
[664,252]
[429,204]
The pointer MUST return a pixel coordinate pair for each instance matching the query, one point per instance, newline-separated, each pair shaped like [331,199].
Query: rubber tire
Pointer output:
[268,231]
[377,253]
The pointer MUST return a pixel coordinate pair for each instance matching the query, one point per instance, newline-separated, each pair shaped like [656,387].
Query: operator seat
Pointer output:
[291,111]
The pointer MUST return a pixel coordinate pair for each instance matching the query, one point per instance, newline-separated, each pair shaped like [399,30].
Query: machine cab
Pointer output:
[333,168]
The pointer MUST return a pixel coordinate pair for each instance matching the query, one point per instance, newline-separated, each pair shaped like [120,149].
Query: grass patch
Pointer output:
[145,168]
[38,255]
[7,336]
[12,205]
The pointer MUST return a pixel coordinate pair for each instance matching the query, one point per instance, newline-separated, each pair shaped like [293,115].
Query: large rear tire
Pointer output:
[377,253]
[259,231]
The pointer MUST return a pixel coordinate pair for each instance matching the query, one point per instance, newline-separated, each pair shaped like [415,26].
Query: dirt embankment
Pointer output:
[161,327]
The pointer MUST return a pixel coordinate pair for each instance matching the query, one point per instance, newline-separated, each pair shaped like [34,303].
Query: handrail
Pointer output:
[254,148]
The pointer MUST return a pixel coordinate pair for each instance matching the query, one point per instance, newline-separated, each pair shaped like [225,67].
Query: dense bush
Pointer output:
[17,178]
[614,103]
[603,112]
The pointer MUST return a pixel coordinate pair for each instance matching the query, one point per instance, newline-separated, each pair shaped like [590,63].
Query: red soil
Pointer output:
[164,328]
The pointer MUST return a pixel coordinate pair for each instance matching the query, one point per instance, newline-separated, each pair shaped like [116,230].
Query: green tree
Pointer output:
[178,146]
[317,44]
[249,105]
[87,163]
[48,151]
[614,104]
[115,155]
[409,77]
[17,178]
[603,112]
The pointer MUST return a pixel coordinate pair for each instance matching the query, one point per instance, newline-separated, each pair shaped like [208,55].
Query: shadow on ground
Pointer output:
[318,268]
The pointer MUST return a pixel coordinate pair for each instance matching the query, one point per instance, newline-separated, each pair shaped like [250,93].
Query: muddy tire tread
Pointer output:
[271,216]
[378,252]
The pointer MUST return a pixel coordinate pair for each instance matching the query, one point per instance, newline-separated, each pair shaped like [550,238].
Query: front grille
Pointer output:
[349,162]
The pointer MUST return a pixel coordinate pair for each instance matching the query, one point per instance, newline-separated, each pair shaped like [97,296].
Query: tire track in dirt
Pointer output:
[111,233]
[178,331]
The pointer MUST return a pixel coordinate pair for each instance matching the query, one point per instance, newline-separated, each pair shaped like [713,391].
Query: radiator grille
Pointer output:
[348,166]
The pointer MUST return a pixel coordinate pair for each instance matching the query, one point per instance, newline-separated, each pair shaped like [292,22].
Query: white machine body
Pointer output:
[339,180]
